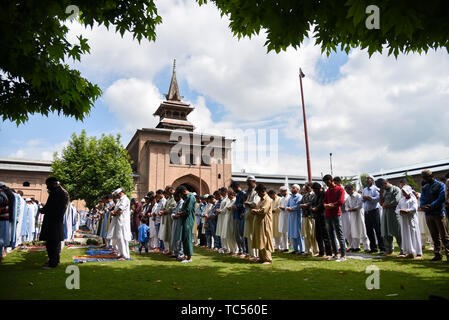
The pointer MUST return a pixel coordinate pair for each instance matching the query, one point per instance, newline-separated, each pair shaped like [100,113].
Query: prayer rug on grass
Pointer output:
[99,252]
[71,246]
[361,256]
[97,256]
[83,259]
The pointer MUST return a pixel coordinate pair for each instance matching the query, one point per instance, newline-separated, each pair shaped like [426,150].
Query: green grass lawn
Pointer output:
[215,276]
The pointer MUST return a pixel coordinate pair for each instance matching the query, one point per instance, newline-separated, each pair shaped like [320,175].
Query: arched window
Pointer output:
[26,184]
[219,176]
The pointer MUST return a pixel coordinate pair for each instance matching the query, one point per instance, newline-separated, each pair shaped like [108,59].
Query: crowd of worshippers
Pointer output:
[164,219]
[320,220]
[20,218]
[22,221]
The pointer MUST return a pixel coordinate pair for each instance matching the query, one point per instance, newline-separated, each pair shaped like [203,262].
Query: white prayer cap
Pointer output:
[2,184]
[370,176]
[116,192]
[251,178]
[407,189]
[28,199]
[296,186]
[283,188]
[143,200]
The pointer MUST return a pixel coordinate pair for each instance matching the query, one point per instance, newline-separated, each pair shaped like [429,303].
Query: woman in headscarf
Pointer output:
[407,209]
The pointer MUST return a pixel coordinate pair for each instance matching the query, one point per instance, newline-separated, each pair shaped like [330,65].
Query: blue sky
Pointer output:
[358,107]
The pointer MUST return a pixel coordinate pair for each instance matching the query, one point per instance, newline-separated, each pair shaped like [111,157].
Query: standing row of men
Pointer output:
[325,223]
[149,222]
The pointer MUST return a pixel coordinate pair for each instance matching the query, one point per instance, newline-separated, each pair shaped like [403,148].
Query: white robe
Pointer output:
[228,233]
[357,220]
[21,209]
[410,233]
[224,203]
[346,222]
[283,215]
[152,224]
[120,227]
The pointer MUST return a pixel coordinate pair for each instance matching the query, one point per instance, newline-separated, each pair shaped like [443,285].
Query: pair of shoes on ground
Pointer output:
[186,261]
[336,258]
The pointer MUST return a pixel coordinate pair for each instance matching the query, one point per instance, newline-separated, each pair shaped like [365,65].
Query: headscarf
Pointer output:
[408,190]
[402,203]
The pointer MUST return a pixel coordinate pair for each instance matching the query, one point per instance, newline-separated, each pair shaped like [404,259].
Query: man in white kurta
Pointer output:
[228,240]
[423,228]
[283,218]
[20,204]
[407,209]
[354,208]
[221,214]
[346,222]
[154,241]
[120,227]
[161,201]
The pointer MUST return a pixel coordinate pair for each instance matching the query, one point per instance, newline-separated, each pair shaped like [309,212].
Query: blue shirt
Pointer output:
[293,202]
[433,194]
[372,204]
[143,232]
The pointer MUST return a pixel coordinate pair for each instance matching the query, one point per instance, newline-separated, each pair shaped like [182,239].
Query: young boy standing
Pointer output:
[143,235]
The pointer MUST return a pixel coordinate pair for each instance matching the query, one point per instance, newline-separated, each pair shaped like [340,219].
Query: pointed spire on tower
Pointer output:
[173,91]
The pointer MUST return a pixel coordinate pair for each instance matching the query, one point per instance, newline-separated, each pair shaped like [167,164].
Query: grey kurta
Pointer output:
[166,220]
[390,225]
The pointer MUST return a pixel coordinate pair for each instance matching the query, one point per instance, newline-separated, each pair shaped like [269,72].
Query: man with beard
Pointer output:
[120,228]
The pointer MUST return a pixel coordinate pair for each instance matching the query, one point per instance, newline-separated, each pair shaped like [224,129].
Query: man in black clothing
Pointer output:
[53,224]
[321,233]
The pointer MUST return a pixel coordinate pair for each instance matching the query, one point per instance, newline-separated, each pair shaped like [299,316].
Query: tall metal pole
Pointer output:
[201,159]
[309,170]
[330,157]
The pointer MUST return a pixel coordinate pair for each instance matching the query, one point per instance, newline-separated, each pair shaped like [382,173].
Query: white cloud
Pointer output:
[38,149]
[133,101]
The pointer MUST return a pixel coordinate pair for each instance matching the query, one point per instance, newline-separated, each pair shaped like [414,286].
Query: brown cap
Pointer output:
[426,173]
